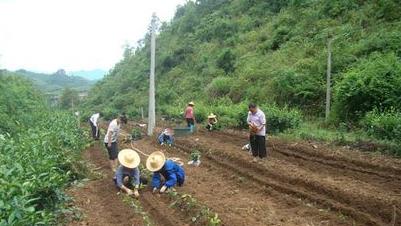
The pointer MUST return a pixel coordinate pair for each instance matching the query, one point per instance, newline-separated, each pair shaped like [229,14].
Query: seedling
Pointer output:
[195,155]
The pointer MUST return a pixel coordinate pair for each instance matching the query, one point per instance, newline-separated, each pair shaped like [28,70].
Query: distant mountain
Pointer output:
[93,75]
[56,82]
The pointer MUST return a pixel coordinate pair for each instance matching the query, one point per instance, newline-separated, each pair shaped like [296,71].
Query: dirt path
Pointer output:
[98,199]
[100,204]
[362,194]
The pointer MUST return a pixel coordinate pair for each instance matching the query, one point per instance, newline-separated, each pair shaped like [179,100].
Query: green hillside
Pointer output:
[56,82]
[223,54]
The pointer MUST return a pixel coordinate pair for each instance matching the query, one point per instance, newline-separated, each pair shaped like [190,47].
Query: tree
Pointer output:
[69,98]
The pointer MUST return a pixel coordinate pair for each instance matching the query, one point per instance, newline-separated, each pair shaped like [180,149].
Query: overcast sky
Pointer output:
[45,35]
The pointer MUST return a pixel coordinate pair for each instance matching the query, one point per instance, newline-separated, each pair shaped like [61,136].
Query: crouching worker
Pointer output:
[127,177]
[172,173]
[166,137]
[211,122]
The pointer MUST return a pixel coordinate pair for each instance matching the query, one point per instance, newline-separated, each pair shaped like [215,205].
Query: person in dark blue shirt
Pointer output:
[172,173]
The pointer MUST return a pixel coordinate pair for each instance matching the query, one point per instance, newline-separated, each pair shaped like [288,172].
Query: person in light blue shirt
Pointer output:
[172,173]
[166,137]
[127,176]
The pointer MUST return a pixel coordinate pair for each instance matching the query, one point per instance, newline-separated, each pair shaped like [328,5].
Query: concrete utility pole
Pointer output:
[152,105]
[328,82]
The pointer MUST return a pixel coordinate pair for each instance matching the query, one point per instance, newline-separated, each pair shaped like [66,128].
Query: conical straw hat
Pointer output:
[211,115]
[155,161]
[129,158]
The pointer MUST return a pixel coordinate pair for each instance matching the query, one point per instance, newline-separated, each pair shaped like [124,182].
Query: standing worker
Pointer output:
[257,128]
[110,140]
[172,173]
[127,177]
[189,115]
[94,122]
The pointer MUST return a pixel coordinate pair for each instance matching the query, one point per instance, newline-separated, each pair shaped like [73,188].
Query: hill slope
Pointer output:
[224,53]
[96,74]
[55,83]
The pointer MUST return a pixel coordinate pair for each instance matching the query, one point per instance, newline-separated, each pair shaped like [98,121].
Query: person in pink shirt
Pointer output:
[189,115]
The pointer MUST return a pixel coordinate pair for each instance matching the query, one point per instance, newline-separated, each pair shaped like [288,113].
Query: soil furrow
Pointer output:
[376,201]
[260,209]
[277,183]
[381,168]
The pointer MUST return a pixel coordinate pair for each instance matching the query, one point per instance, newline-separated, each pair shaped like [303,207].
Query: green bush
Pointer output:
[35,167]
[219,87]
[373,83]
[383,125]
[281,119]
[39,156]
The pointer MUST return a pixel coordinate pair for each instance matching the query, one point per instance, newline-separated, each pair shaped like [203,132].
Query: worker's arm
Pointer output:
[171,180]
[109,138]
[263,121]
[156,180]
[135,175]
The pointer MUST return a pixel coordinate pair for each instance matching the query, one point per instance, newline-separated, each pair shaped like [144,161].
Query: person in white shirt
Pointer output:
[257,128]
[111,138]
[94,123]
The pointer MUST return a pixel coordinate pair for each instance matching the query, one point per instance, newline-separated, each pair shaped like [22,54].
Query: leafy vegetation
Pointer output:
[201,215]
[224,54]
[383,125]
[39,155]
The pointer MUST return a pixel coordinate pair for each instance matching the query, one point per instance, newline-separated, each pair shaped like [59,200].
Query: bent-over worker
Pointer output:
[172,173]
[127,177]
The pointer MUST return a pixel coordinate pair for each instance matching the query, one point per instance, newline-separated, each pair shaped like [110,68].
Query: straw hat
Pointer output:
[191,103]
[155,161]
[129,158]
[211,115]
[168,132]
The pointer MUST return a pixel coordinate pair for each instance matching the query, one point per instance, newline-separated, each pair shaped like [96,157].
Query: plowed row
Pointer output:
[298,185]
[366,190]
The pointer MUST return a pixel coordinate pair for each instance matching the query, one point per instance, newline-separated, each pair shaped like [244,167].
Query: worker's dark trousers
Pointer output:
[258,145]
[95,132]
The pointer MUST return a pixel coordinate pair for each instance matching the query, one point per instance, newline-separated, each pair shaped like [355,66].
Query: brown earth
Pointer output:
[98,199]
[300,184]
[366,188]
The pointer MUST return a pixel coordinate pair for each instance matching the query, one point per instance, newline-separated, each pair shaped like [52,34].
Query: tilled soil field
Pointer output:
[299,184]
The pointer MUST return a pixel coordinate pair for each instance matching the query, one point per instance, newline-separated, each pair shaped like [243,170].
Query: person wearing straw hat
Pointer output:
[211,121]
[166,137]
[127,174]
[189,115]
[172,173]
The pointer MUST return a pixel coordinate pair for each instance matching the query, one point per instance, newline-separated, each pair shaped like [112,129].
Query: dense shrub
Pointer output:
[281,119]
[39,156]
[373,83]
[383,125]
[235,115]
[219,87]
[35,167]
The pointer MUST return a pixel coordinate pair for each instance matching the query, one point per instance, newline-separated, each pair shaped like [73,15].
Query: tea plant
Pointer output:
[39,157]
[195,155]
[200,214]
